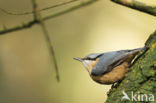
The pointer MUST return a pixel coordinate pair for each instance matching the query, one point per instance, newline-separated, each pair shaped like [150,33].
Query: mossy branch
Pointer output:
[142,75]
[141,78]
[137,6]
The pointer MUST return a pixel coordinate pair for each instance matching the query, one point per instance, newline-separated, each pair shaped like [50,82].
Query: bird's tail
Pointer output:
[143,48]
[139,49]
[136,51]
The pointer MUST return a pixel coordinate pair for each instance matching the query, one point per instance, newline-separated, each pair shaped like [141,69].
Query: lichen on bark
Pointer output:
[141,79]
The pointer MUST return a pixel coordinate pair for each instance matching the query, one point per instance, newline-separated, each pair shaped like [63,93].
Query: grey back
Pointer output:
[109,60]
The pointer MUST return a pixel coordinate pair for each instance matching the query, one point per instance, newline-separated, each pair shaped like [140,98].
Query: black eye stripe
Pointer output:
[99,55]
[89,58]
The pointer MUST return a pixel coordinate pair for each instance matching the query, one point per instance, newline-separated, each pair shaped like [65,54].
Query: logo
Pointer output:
[137,96]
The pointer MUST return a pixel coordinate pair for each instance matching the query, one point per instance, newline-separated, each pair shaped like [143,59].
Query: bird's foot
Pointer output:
[109,92]
[114,85]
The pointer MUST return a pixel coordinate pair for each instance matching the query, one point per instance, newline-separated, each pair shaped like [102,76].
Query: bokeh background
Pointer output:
[27,74]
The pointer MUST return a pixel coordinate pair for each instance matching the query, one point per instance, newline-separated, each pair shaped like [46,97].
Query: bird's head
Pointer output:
[89,61]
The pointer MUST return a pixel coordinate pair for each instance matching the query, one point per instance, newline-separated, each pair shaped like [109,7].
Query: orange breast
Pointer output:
[113,76]
[92,66]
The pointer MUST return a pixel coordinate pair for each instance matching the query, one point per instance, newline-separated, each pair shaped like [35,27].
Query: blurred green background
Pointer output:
[26,69]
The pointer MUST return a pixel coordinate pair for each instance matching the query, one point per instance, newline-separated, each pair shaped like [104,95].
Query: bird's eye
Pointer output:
[88,58]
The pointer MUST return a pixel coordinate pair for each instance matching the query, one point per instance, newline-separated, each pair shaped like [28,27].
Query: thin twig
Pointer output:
[51,49]
[50,16]
[37,17]
[137,6]
[83,4]
[19,27]
[43,9]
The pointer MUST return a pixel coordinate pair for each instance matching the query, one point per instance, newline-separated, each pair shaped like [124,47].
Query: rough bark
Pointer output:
[141,79]
[136,5]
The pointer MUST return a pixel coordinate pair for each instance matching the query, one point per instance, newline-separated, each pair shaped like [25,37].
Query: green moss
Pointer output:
[141,78]
[154,63]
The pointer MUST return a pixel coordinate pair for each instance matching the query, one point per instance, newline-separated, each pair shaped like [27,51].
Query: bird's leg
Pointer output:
[114,85]
[146,49]
[109,92]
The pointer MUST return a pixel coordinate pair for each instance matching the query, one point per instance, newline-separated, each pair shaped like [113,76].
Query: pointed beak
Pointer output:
[79,59]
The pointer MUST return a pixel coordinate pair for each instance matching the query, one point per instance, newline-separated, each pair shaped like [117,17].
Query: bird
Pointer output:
[109,67]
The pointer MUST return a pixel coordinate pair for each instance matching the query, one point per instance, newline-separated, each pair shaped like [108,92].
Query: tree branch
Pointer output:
[137,6]
[50,16]
[83,4]
[16,28]
[142,77]
[43,9]
[38,18]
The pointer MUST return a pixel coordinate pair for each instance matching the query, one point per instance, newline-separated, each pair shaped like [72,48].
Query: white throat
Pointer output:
[88,65]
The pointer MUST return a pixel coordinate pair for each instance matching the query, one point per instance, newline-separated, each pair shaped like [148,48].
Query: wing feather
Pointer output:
[109,60]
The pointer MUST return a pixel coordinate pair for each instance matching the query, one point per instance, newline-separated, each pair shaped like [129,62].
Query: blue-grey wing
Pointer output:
[110,60]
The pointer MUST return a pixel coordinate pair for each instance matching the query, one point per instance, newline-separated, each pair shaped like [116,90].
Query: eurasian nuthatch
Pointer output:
[109,67]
